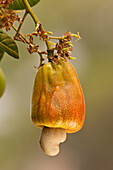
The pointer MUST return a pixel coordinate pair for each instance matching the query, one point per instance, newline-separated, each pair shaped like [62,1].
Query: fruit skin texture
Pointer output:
[2,82]
[58,100]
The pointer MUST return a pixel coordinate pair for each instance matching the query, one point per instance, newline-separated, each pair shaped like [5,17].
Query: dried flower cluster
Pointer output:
[32,47]
[5,3]
[7,17]
[61,49]
[39,32]
[42,35]
[64,47]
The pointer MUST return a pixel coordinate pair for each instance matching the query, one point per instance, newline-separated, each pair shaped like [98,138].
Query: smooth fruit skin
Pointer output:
[58,100]
[2,82]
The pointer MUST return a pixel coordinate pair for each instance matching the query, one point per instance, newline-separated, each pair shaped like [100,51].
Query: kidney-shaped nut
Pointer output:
[50,140]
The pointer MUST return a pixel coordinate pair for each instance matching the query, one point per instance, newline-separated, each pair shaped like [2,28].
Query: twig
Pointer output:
[30,11]
[20,25]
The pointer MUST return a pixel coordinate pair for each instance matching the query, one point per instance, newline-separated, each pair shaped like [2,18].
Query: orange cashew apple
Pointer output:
[58,100]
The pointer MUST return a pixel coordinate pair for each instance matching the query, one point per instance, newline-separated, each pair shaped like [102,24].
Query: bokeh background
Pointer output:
[92,147]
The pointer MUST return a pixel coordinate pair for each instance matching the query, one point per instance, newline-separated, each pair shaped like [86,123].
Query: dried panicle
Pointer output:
[31,40]
[39,32]
[7,18]
[61,49]
[68,36]
[64,47]
[5,3]
[32,48]
[42,35]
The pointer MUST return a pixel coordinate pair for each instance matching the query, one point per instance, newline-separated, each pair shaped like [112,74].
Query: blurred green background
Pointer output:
[92,147]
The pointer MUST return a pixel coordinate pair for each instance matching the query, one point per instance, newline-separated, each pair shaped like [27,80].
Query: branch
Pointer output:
[17,33]
[37,23]
[30,11]
[20,34]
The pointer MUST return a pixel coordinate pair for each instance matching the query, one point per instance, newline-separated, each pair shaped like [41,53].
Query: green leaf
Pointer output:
[8,45]
[1,54]
[18,4]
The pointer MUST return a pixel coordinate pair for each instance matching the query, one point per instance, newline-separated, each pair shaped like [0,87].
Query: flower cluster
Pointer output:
[64,47]
[39,32]
[32,47]
[61,49]
[7,17]
[5,3]
[42,35]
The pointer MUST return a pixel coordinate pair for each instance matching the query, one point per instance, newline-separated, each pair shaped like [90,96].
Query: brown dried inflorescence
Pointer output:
[32,48]
[5,3]
[39,32]
[7,17]
[68,36]
[64,47]
[42,35]
[61,49]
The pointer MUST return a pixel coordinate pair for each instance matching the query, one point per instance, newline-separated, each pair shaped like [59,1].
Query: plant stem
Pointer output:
[20,34]
[41,59]
[2,10]
[37,23]
[38,51]
[56,38]
[30,11]
[20,25]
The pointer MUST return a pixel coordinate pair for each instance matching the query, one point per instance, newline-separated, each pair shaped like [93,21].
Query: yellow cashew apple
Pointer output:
[58,100]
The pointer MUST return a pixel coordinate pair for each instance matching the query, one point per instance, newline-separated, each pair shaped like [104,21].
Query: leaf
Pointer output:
[18,4]
[8,45]
[1,54]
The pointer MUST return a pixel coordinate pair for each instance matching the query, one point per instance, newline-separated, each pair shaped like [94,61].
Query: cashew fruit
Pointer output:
[58,100]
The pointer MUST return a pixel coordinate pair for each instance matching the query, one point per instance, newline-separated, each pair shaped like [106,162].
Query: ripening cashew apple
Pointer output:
[58,100]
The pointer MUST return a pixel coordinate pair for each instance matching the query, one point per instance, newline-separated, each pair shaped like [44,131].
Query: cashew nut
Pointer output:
[50,140]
